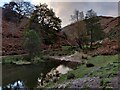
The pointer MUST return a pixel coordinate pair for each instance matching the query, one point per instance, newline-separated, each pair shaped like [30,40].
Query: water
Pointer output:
[63,69]
[27,75]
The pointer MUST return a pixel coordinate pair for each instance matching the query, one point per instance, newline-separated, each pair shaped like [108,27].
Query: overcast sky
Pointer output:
[66,8]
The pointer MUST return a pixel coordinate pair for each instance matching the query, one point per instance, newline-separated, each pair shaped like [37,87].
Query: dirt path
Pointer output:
[76,57]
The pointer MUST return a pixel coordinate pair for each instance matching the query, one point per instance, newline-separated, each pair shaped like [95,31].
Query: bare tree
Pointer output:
[77,16]
[81,15]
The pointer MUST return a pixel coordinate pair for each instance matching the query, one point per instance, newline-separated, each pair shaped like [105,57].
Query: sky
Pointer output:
[64,8]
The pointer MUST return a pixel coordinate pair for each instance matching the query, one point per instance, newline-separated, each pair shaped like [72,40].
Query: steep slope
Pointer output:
[110,25]
[107,23]
[12,33]
[12,37]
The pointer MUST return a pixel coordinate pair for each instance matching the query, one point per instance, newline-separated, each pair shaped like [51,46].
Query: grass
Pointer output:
[107,66]
[101,61]
[107,69]
[11,59]
[65,50]
[22,59]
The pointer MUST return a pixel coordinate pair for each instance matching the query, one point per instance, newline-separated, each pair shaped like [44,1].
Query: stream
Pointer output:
[26,76]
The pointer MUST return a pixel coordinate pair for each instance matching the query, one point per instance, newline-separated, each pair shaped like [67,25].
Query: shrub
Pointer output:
[32,42]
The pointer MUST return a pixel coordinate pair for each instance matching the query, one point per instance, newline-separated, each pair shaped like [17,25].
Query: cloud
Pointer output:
[65,9]
[84,0]
[36,2]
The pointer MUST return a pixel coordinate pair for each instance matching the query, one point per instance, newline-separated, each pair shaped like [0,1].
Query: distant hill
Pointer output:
[109,24]
[111,27]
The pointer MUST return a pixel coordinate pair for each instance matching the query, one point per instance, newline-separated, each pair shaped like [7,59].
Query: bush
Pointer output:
[69,49]
[27,58]
[37,59]
[11,59]
[32,43]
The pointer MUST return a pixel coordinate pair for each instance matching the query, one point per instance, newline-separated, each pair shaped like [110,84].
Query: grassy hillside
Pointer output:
[105,67]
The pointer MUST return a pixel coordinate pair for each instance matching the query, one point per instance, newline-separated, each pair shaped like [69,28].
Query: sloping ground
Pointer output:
[91,83]
[111,27]
[105,20]
[107,23]
[72,30]
[112,24]
[104,74]
[109,47]
[12,38]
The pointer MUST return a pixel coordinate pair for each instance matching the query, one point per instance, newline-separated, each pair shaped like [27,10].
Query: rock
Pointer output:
[62,86]
[89,65]
[55,79]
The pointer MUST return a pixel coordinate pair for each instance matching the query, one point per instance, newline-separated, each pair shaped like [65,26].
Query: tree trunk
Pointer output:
[91,40]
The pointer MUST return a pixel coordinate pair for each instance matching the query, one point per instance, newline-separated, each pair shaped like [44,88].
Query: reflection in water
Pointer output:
[53,75]
[26,73]
[28,76]
[63,69]
[16,85]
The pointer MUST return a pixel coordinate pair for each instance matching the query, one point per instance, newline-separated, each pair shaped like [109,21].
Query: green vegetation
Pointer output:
[93,26]
[32,43]
[20,60]
[46,24]
[105,67]
[11,59]
[43,31]
[65,50]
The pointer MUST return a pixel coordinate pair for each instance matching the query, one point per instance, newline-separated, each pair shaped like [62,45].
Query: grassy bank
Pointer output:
[19,59]
[105,67]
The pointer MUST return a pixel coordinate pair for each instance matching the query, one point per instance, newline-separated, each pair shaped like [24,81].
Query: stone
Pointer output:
[89,65]
[54,79]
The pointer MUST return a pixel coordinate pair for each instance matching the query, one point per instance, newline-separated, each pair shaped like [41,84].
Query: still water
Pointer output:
[27,75]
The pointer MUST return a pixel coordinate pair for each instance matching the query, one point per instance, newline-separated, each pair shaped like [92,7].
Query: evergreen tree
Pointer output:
[93,26]
[32,42]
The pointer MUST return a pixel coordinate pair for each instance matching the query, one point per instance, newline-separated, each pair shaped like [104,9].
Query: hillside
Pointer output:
[38,53]
[12,40]
[110,26]
[12,37]
[107,23]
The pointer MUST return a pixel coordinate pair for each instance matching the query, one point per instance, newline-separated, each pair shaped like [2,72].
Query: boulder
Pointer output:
[89,65]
